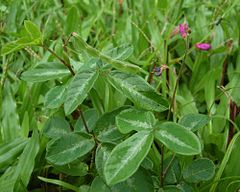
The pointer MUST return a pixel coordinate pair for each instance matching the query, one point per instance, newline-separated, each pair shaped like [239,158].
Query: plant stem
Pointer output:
[164,172]
[177,81]
[162,147]
[60,59]
[83,119]
[168,166]
[162,158]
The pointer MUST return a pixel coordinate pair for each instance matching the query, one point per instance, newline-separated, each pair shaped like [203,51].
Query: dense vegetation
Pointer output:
[120,96]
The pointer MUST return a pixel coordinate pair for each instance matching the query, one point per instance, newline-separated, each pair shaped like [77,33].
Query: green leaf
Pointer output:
[178,139]
[56,127]
[41,75]
[60,183]
[199,170]
[234,88]
[228,166]
[72,21]
[174,171]
[25,125]
[194,121]
[76,168]
[68,148]
[18,45]
[10,151]
[105,129]
[120,65]
[102,153]
[91,117]
[55,97]
[99,185]
[78,89]
[172,188]
[11,47]
[33,37]
[138,91]
[120,53]
[139,182]
[8,180]
[10,126]
[126,157]
[132,119]
[27,159]
[33,30]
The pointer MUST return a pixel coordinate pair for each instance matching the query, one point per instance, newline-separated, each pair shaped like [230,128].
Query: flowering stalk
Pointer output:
[177,81]
[164,172]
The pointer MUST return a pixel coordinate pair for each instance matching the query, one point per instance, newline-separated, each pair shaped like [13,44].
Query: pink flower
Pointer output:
[183,29]
[203,46]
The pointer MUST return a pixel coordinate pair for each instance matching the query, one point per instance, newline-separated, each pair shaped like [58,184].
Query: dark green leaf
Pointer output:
[138,182]
[68,148]
[174,172]
[91,117]
[55,97]
[199,170]
[56,127]
[138,91]
[74,169]
[178,139]
[105,129]
[102,153]
[78,89]
[41,75]
[194,121]
[60,183]
[127,156]
[132,119]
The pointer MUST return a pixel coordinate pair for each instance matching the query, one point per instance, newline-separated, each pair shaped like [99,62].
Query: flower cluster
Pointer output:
[184,30]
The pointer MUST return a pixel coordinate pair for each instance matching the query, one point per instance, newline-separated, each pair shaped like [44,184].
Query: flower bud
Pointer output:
[203,46]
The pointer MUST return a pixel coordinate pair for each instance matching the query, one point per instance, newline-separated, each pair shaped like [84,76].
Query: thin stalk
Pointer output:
[60,59]
[177,81]
[164,172]
[67,40]
[113,18]
[162,158]
[168,166]
[83,119]
[162,147]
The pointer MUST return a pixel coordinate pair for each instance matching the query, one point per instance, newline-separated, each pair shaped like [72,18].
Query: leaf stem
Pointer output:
[60,59]
[83,119]
[168,166]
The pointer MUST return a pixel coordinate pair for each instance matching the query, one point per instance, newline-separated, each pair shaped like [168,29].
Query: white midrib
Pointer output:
[129,156]
[137,123]
[179,142]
